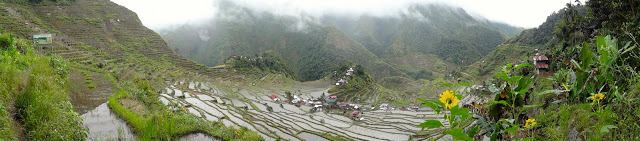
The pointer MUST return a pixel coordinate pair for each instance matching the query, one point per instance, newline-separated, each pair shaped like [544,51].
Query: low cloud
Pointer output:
[160,14]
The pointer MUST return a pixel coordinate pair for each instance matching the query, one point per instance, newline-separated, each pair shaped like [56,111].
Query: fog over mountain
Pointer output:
[316,41]
[169,13]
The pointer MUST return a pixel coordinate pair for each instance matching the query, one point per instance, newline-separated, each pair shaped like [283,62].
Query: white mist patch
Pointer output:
[412,13]
[203,34]
[158,14]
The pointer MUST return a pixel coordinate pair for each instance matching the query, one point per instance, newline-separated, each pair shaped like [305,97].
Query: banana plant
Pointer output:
[595,72]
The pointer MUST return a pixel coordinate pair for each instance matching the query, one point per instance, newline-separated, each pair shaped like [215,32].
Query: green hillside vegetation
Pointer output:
[441,38]
[99,41]
[311,50]
[519,48]
[41,2]
[261,65]
[428,29]
[590,92]
[358,81]
[34,104]
[388,46]
[315,47]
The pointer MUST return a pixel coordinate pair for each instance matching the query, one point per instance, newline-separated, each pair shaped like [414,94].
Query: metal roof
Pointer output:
[542,66]
[540,57]
[42,36]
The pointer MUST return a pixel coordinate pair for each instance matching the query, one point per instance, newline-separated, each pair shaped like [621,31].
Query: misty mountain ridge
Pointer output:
[437,33]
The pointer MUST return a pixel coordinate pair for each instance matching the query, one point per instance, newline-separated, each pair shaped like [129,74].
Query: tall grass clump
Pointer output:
[6,132]
[42,101]
[8,79]
[44,106]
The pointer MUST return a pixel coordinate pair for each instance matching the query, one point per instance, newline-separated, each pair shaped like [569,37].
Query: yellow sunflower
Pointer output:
[449,99]
[597,97]
[530,123]
[600,96]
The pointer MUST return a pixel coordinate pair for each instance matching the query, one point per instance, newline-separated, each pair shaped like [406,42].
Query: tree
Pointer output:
[322,97]
[289,96]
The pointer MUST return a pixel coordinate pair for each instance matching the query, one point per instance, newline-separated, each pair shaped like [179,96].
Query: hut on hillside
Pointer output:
[540,62]
[42,38]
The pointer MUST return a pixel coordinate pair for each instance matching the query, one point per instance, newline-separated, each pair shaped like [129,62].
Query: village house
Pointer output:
[342,105]
[331,99]
[540,62]
[42,38]
[296,99]
[384,106]
[308,102]
[349,72]
[341,82]
[414,108]
[356,115]
[275,97]
[357,107]
[317,106]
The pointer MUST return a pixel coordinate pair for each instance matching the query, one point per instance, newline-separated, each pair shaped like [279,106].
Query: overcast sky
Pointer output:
[158,14]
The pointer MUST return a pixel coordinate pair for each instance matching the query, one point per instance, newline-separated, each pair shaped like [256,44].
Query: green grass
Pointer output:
[219,66]
[6,125]
[41,102]
[45,109]
[559,121]
[88,79]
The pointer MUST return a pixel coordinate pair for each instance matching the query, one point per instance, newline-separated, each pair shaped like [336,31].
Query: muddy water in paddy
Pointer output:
[105,125]
[311,137]
[198,137]
[84,98]
[91,103]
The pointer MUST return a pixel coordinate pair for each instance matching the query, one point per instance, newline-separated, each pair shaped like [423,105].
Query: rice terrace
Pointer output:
[319,70]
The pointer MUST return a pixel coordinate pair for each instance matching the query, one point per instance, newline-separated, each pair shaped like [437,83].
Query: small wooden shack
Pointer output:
[42,38]
[540,62]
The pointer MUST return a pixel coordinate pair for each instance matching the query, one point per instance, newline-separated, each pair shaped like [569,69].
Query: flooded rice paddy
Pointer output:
[105,125]
[251,107]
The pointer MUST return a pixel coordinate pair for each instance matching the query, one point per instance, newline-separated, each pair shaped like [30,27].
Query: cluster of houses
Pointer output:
[342,80]
[351,110]
[329,102]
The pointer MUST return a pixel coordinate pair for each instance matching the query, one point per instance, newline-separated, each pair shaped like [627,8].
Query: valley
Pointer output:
[94,70]
[251,107]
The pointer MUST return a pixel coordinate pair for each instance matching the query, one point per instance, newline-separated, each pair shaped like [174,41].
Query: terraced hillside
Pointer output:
[249,107]
[96,34]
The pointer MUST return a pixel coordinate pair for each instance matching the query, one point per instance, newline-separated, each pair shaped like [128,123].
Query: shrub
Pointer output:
[44,106]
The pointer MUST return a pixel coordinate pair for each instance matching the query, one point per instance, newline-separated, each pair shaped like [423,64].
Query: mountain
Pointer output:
[98,34]
[310,49]
[521,47]
[435,34]
[441,36]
